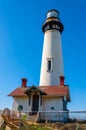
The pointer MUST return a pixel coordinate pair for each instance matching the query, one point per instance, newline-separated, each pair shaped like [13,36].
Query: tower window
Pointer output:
[47,28]
[49,64]
[57,27]
[53,26]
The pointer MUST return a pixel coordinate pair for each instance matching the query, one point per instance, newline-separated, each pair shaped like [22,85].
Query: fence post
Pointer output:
[20,108]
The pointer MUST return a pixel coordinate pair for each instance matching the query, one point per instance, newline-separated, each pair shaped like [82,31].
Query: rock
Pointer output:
[1,121]
[7,127]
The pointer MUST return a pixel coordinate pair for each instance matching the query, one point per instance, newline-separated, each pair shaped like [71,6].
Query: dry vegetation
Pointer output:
[54,126]
[68,126]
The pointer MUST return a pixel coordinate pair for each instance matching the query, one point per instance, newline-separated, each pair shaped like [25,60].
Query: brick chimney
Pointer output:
[62,80]
[24,82]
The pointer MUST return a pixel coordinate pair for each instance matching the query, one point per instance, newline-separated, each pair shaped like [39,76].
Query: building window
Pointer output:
[20,108]
[49,64]
[52,108]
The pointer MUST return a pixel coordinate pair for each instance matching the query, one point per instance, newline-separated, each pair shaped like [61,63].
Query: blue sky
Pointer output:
[21,42]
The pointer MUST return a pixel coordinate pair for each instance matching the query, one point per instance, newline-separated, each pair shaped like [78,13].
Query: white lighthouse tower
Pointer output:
[52,60]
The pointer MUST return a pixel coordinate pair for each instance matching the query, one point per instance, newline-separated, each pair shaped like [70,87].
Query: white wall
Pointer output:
[52,48]
[53,115]
[48,103]
[55,102]
[24,101]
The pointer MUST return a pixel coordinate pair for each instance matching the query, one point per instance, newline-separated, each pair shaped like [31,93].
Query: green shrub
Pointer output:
[24,117]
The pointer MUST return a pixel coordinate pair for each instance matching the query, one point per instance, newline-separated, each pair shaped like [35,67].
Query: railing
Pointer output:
[78,115]
[50,115]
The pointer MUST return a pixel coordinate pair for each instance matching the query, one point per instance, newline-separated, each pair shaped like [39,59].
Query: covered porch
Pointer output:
[35,96]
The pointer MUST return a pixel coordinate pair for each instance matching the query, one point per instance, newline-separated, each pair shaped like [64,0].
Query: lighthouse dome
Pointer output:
[52,13]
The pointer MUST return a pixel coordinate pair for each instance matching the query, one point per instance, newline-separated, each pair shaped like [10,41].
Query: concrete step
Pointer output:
[32,117]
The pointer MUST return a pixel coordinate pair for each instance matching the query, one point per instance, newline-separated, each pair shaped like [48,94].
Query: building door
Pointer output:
[35,105]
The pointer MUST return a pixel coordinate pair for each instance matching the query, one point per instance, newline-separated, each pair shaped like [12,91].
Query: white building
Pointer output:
[52,95]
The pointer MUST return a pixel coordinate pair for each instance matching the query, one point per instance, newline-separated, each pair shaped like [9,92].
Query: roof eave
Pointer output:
[17,95]
[36,89]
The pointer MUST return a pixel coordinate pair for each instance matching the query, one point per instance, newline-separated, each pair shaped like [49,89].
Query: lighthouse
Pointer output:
[52,60]
[52,95]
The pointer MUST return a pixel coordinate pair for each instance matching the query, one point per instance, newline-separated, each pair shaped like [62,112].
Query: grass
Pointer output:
[58,125]
[31,127]
[35,127]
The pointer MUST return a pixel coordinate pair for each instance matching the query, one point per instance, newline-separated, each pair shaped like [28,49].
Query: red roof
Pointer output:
[48,90]
[55,90]
[18,92]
